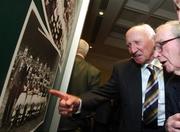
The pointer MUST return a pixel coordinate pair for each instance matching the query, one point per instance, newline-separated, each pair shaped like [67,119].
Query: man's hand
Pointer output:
[173,123]
[68,104]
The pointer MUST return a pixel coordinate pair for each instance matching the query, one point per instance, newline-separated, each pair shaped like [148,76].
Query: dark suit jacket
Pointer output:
[173,95]
[125,86]
[83,78]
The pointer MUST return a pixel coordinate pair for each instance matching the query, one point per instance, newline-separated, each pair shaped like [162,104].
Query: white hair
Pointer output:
[148,30]
[173,25]
[83,47]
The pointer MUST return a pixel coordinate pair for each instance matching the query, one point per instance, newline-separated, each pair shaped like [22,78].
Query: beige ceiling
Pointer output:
[119,15]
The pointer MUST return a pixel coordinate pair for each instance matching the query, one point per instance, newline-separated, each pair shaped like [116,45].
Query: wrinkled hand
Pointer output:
[173,123]
[68,104]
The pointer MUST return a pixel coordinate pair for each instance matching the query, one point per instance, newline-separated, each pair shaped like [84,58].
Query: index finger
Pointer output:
[57,93]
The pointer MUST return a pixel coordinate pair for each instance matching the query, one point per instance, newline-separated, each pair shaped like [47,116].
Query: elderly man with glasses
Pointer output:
[167,50]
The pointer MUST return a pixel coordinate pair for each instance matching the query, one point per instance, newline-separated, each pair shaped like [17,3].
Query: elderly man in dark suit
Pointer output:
[168,52]
[84,77]
[128,84]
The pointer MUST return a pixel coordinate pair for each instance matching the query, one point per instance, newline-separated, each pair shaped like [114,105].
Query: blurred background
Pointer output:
[108,20]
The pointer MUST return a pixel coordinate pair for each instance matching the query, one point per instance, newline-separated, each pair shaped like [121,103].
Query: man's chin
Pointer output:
[169,70]
[139,61]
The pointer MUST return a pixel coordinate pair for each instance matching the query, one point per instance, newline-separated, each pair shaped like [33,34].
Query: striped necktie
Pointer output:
[150,107]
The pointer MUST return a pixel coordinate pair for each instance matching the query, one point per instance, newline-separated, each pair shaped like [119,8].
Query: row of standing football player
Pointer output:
[28,89]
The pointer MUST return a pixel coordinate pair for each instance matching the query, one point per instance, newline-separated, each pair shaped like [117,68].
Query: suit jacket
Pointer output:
[125,85]
[83,78]
[173,95]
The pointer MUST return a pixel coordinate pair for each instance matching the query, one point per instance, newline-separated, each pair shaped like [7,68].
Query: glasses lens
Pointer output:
[158,47]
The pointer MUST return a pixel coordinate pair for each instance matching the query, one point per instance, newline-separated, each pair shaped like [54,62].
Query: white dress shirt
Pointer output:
[145,73]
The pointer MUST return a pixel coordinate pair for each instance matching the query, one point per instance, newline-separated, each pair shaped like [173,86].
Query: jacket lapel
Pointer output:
[134,86]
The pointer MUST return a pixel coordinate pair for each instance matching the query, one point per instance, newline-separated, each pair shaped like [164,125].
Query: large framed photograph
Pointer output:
[33,68]
[43,59]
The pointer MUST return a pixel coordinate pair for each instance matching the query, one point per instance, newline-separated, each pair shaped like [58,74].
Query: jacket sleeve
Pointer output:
[99,95]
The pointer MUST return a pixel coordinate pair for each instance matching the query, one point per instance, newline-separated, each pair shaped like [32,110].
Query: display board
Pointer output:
[45,47]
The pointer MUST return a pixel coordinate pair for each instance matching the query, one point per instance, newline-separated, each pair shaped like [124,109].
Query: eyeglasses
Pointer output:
[159,45]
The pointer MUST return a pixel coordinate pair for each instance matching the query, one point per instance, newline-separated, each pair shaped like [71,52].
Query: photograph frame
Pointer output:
[18,93]
[76,35]
[64,68]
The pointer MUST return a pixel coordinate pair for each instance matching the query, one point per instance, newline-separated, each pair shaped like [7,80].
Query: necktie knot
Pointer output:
[151,68]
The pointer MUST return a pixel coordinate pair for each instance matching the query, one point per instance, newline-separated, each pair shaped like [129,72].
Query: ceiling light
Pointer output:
[101,13]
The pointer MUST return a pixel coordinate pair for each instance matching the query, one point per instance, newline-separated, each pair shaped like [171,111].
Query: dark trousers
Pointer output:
[76,125]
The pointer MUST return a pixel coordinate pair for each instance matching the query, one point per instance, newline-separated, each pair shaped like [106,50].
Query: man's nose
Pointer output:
[133,49]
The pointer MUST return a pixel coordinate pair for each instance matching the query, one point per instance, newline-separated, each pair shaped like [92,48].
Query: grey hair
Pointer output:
[83,47]
[174,26]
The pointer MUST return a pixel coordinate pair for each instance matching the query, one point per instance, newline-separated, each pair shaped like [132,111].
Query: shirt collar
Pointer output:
[155,63]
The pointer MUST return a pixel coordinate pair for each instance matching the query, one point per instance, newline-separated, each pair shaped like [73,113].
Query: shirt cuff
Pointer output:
[80,105]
